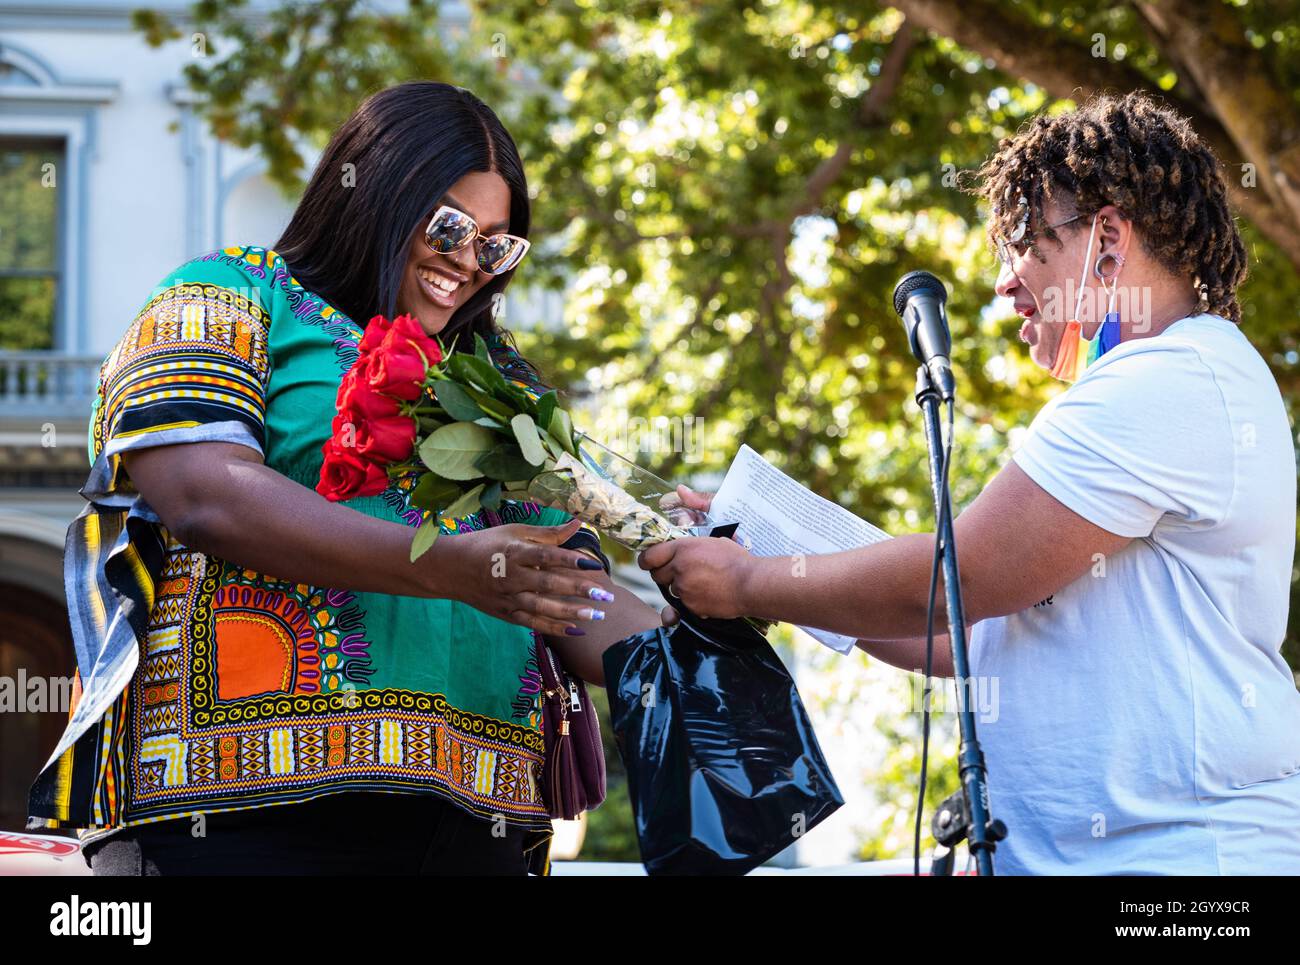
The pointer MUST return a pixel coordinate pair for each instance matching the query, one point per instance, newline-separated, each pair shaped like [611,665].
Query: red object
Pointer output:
[345,474]
[15,842]
[401,361]
[399,373]
[406,334]
[357,396]
[370,432]
[374,334]
[373,431]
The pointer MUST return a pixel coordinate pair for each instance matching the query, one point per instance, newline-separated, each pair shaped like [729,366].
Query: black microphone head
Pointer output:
[915,281]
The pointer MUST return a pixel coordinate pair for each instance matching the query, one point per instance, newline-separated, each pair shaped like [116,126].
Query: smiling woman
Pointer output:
[210,686]
[386,178]
[449,260]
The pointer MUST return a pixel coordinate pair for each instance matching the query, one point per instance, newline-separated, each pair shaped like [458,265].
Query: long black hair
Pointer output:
[384,169]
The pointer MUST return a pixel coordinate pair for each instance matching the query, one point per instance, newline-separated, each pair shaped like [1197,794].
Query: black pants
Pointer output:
[353,832]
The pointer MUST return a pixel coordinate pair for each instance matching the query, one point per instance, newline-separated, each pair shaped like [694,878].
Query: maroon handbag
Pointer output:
[573,775]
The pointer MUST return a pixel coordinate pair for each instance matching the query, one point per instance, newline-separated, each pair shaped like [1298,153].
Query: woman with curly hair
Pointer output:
[1127,573]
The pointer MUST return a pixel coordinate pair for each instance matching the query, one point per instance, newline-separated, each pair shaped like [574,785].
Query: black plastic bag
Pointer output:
[724,770]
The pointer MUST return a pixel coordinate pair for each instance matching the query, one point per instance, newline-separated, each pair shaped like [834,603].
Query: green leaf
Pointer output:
[481,349]
[456,401]
[493,407]
[424,537]
[452,450]
[505,463]
[517,397]
[561,428]
[546,407]
[481,375]
[491,497]
[556,450]
[529,444]
[493,424]
[434,492]
[467,504]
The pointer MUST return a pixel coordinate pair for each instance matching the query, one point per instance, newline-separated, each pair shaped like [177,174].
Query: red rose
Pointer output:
[385,440]
[397,373]
[374,334]
[369,431]
[356,396]
[343,431]
[345,474]
[395,357]
[407,335]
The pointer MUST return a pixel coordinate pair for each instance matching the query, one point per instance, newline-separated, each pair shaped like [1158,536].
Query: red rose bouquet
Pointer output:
[474,437]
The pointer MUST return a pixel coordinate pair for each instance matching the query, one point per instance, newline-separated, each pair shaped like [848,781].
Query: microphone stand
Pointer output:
[967,818]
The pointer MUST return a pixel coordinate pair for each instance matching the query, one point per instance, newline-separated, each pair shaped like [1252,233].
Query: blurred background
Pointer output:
[724,195]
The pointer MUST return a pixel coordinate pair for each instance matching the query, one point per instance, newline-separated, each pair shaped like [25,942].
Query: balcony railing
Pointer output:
[47,385]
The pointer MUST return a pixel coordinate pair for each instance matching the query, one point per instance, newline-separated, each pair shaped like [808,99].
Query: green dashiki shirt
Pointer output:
[207,686]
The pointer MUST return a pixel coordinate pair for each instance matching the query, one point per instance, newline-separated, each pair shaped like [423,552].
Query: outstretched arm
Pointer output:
[1016,544]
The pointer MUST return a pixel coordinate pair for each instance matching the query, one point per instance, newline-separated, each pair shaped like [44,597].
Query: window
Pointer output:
[30,182]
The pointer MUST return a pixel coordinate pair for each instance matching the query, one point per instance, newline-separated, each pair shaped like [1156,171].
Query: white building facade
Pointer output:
[107,181]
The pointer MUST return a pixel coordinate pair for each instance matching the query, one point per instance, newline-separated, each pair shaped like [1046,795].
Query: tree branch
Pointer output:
[1067,69]
[1208,40]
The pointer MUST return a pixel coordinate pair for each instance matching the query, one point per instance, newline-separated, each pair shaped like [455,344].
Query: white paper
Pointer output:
[779,517]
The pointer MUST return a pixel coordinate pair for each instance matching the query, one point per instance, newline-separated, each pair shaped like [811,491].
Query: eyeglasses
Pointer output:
[452,229]
[1018,238]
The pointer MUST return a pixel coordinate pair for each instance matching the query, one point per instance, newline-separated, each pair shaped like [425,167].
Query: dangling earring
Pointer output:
[1108,336]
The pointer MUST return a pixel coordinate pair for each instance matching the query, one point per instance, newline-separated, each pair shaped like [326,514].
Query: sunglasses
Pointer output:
[451,230]
[1020,238]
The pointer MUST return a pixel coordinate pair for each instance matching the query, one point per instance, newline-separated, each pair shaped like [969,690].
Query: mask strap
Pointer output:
[1083,275]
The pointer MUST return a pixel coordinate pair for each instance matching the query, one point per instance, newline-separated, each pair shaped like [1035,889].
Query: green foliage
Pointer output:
[29,200]
[897,781]
[452,451]
[611,836]
[728,200]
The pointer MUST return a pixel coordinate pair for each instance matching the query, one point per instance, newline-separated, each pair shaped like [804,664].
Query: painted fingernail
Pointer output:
[604,596]
[575,632]
[587,613]
[588,564]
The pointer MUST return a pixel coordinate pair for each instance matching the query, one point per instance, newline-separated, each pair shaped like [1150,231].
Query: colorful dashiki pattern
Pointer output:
[209,686]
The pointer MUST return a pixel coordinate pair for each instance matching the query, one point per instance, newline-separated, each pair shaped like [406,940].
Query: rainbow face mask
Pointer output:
[1075,353]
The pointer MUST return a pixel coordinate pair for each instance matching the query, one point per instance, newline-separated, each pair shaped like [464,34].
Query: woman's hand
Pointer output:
[520,573]
[709,575]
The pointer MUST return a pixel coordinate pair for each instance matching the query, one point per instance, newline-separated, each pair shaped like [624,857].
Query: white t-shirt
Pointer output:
[1145,720]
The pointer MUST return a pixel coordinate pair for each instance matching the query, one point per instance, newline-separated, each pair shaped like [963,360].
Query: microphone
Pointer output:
[919,298]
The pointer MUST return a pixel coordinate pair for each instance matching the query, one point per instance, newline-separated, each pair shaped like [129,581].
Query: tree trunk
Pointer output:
[1225,88]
